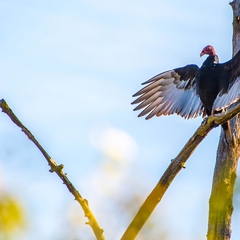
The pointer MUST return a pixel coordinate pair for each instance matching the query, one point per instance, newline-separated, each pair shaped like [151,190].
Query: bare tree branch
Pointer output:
[58,169]
[173,169]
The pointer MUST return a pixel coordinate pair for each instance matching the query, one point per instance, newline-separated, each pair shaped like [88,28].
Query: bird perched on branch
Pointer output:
[191,91]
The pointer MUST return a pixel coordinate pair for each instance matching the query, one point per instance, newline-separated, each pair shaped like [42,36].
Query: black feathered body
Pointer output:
[207,83]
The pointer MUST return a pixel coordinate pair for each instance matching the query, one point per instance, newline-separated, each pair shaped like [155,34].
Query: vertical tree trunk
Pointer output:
[221,200]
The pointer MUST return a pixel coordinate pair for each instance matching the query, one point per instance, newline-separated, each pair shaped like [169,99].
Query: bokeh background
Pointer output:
[68,70]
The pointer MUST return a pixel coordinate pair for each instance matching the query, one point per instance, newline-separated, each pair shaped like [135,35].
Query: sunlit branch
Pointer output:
[173,169]
[58,169]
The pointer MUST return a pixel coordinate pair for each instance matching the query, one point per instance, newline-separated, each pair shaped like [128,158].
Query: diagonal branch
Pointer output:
[173,169]
[58,169]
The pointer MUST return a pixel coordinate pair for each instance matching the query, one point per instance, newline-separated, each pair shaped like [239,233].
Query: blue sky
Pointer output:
[69,70]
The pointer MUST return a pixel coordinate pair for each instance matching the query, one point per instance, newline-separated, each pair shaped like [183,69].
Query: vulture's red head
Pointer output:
[209,50]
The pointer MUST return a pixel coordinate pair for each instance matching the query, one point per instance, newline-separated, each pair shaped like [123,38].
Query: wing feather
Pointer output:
[170,92]
[229,83]
[150,107]
[148,100]
[228,98]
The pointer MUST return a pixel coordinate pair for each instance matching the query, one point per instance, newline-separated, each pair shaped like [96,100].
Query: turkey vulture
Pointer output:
[191,91]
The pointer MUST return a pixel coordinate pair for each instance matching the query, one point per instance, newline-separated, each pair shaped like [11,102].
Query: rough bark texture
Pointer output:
[221,200]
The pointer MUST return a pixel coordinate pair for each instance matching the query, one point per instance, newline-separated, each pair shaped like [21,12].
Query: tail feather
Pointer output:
[228,132]
[226,126]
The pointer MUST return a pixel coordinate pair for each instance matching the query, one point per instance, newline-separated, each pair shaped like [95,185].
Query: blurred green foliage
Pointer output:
[12,218]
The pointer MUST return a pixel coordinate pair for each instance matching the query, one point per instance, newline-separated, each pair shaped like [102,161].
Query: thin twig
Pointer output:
[58,169]
[173,169]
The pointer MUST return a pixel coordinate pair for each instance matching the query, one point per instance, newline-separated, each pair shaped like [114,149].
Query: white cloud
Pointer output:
[116,144]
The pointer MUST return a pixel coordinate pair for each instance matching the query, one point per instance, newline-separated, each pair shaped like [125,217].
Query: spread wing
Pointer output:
[229,83]
[173,91]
